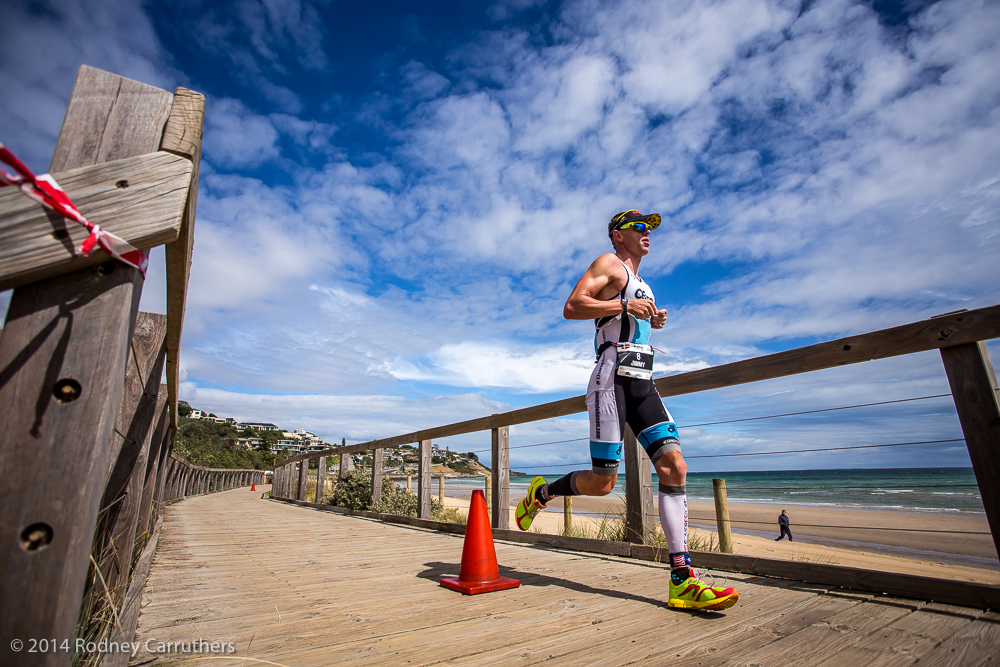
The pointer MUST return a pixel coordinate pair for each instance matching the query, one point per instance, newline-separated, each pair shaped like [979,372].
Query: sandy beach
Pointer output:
[889,541]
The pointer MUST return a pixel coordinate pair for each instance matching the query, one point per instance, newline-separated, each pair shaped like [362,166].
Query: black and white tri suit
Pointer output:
[614,400]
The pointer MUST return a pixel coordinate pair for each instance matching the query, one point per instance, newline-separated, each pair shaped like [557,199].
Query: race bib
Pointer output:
[635,361]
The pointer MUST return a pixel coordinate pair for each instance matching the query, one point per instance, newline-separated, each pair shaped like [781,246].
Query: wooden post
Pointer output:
[501,477]
[441,489]
[974,388]
[567,514]
[722,516]
[424,480]
[489,498]
[344,459]
[376,477]
[408,483]
[62,359]
[321,479]
[638,491]
[303,479]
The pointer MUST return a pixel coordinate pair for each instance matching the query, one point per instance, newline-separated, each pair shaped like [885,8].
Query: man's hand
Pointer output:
[641,309]
[658,319]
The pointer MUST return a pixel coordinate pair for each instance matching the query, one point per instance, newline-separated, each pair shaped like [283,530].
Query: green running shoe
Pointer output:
[529,505]
[693,594]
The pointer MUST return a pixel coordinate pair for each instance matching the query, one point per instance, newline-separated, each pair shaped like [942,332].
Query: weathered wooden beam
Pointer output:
[62,360]
[376,477]
[141,199]
[157,440]
[500,450]
[120,506]
[974,388]
[182,136]
[320,479]
[303,479]
[935,333]
[424,480]
[638,491]
[965,327]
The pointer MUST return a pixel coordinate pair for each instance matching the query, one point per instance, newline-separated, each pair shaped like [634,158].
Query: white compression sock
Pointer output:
[674,519]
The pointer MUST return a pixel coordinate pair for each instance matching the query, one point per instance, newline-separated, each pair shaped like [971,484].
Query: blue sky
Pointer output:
[396,200]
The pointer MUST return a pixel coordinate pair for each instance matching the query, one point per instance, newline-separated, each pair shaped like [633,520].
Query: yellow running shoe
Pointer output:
[529,505]
[693,594]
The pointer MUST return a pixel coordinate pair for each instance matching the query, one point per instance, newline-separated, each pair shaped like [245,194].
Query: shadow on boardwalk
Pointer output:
[296,587]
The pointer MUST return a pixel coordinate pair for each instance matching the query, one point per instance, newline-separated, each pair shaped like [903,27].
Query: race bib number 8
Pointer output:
[635,361]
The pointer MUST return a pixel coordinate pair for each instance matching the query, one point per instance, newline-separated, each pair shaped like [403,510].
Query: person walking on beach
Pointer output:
[621,391]
[783,525]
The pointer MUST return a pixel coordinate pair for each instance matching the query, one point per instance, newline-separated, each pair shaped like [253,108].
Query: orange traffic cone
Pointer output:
[253,486]
[479,572]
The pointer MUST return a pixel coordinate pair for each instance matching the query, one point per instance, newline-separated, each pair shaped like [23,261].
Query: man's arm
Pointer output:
[594,294]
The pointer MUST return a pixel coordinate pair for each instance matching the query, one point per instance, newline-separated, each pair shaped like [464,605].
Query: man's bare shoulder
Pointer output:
[609,266]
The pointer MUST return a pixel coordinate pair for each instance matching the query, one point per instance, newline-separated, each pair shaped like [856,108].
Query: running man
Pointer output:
[783,525]
[621,391]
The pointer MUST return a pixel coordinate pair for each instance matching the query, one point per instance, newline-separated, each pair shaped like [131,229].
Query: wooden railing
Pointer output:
[959,336]
[87,428]
[185,480]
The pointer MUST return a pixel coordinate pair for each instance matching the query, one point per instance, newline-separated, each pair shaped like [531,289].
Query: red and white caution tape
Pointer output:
[47,192]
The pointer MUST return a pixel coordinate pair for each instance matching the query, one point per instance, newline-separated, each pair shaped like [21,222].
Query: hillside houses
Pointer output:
[293,442]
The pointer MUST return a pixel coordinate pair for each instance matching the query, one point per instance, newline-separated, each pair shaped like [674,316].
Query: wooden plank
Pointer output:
[424,480]
[182,136]
[122,499]
[974,388]
[977,644]
[836,633]
[141,199]
[964,327]
[903,642]
[500,449]
[66,337]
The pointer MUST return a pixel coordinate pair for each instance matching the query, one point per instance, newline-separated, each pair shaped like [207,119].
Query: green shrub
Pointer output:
[448,514]
[396,501]
[355,492]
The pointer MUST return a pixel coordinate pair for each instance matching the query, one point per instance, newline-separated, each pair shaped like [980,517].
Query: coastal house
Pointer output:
[258,426]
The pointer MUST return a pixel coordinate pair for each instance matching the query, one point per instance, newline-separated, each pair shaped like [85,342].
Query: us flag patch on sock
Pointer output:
[680,560]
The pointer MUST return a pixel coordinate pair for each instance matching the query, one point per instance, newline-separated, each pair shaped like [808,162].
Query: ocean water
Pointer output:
[904,489]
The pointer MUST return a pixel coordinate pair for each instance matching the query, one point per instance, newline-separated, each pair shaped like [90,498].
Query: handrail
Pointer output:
[943,331]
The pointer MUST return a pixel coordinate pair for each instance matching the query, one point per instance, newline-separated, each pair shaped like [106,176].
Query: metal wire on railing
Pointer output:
[746,419]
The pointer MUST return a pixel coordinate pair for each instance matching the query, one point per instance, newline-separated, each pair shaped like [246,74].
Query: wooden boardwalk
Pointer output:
[294,586]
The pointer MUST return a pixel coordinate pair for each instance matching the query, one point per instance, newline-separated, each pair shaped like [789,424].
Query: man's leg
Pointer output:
[605,402]
[671,469]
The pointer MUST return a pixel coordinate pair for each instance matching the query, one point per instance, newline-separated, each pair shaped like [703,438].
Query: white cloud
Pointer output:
[538,369]
[236,137]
